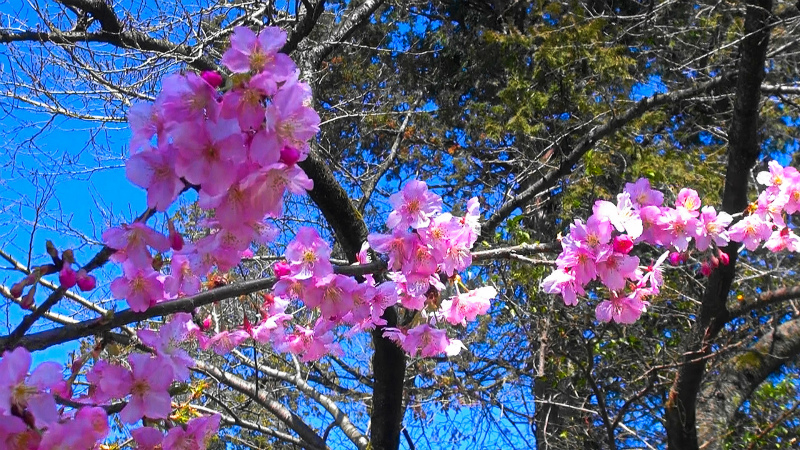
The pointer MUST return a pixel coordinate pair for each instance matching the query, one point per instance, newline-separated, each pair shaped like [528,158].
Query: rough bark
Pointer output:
[743,150]
[739,377]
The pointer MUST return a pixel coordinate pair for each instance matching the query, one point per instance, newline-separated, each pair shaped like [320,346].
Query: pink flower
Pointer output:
[131,242]
[680,226]
[175,238]
[397,245]
[16,435]
[195,436]
[249,52]
[289,122]
[653,277]
[562,281]
[223,342]
[147,438]
[31,393]
[712,226]
[428,340]
[149,384]
[774,178]
[208,153]
[308,255]
[141,287]
[783,238]
[154,170]
[310,344]
[167,340]
[751,231]
[622,215]
[623,244]
[145,120]
[642,195]
[333,296]
[616,268]
[689,201]
[212,78]
[187,98]
[181,280]
[621,309]
[770,207]
[245,103]
[108,382]
[594,236]
[458,310]
[413,206]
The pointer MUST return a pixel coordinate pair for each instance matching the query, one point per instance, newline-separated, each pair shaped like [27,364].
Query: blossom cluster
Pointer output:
[436,244]
[239,148]
[600,249]
[31,419]
[425,247]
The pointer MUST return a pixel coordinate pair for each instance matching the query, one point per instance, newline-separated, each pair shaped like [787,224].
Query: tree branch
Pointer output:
[312,440]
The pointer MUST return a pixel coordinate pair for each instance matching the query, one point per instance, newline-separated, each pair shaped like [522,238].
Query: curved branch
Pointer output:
[765,299]
[49,338]
[292,420]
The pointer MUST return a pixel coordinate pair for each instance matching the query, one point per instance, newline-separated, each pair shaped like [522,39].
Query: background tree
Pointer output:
[538,108]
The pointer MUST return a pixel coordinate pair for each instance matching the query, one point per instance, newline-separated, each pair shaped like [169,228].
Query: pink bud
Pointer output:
[16,289]
[714,261]
[206,323]
[86,282]
[724,258]
[247,326]
[67,277]
[27,301]
[706,269]
[289,155]
[175,238]
[281,269]
[675,258]
[212,78]
[623,244]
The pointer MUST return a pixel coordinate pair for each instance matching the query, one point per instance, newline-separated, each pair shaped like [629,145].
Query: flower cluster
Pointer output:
[436,247]
[239,148]
[600,249]
[437,244]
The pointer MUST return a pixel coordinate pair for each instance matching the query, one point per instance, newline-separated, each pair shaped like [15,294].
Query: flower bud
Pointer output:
[623,244]
[16,289]
[706,269]
[212,78]
[206,324]
[27,301]
[289,155]
[675,258]
[67,277]
[175,238]
[724,258]
[86,282]
[281,269]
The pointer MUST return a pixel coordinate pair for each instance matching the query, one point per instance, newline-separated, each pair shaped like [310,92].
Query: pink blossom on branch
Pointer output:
[413,206]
